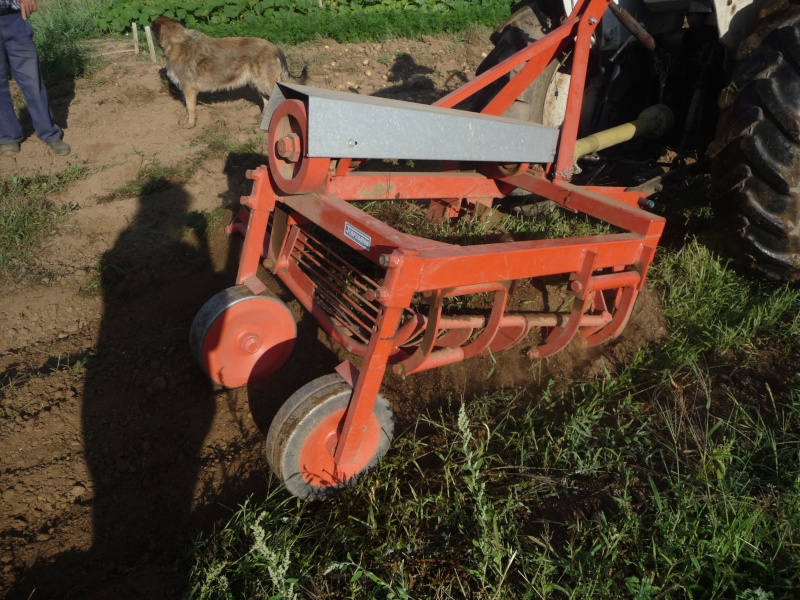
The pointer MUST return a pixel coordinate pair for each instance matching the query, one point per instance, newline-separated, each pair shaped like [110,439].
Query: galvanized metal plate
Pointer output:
[344,125]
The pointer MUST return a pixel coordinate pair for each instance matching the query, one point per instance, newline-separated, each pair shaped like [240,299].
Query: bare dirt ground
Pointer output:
[114,448]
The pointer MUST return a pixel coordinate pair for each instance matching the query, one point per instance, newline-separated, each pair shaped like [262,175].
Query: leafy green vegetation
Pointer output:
[290,22]
[26,214]
[60,26]
[665,479]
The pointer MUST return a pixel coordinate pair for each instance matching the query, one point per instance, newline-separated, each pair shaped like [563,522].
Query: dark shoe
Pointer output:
[9,149]
[59,147]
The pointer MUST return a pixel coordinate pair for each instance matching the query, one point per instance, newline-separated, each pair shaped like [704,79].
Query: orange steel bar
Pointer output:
[519,83]
[457,265]
[576,199]
[619,194]
[332,212]
[627,297]
[580,59]
[412,186]
[362,401]
[443,265]
[520,319]
[261,202]
[544,50]
[611,281]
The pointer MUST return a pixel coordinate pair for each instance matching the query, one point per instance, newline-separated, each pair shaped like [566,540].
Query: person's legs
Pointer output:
[10,129]
[23,59]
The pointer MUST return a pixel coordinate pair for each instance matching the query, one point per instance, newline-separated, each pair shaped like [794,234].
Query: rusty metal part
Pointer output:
[632,25]
[653,121]
[292,170]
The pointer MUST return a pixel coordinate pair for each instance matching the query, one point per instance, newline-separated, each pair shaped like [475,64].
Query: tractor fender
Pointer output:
[736,20]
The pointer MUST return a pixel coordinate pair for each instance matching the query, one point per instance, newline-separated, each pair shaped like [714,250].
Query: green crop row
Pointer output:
[118,16]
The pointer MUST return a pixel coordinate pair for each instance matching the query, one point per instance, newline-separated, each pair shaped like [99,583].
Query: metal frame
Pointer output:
[375,317]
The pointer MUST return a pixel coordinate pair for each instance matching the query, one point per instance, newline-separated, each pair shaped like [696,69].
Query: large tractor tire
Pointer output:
[756,168]
[544,101]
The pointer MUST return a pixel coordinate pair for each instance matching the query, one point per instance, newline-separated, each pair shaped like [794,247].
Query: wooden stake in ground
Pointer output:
[150,43]
[135,38]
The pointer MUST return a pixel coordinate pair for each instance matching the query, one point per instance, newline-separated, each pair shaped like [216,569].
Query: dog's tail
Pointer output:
[302,78]
[286,75]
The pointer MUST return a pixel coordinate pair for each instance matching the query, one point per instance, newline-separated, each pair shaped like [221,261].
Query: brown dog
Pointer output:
[198,63]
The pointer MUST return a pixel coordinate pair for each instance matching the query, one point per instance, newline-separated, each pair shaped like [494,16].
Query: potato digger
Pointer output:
[391,297]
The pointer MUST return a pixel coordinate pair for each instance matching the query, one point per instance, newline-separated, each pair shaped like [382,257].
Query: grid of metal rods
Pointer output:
[340,287]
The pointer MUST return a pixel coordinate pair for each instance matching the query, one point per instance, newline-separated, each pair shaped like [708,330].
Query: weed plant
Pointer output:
[153,178]
[59,27]
[659,481]
[26,215]
[485,226]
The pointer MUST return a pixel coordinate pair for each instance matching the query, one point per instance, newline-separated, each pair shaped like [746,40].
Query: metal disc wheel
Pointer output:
[303,437]
[292,170]
[238,337]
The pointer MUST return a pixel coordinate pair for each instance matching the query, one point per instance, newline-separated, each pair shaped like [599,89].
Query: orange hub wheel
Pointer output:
[239,337]
[292,170]
[303,437]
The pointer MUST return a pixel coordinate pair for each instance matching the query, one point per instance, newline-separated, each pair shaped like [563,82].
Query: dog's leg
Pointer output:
[190,94]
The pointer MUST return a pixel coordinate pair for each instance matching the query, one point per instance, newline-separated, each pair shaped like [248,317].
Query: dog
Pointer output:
[198,63]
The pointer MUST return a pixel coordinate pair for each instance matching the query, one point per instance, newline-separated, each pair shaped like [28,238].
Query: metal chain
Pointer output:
[663,65]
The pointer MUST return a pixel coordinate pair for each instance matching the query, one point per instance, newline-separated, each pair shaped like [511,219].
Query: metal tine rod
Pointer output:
[297,252]
[319,271]
[336,296]
[370,284]
[340,313]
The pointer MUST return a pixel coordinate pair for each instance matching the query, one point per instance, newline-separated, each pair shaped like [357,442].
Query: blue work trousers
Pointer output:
[18,56]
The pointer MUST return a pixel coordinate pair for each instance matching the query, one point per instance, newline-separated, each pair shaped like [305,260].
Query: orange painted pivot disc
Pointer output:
[303,435]
[316,464]
[239,337]
[292,170]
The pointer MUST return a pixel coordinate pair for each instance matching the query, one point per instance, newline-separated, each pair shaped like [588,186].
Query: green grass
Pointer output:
[664,480]
[203,223]
[218,142]
[26,215]
[154,178]
[487,226]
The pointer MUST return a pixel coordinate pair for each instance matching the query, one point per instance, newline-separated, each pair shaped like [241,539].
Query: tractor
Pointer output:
[729,70]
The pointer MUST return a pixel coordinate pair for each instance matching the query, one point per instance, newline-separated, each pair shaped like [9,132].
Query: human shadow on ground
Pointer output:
[411,81]
[146,411]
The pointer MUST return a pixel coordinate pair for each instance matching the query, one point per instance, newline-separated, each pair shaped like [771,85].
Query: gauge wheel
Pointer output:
[303,436]
[756,153]
[239,337]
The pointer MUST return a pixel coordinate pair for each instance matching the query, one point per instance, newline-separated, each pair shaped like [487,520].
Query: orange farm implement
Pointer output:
[302,222]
